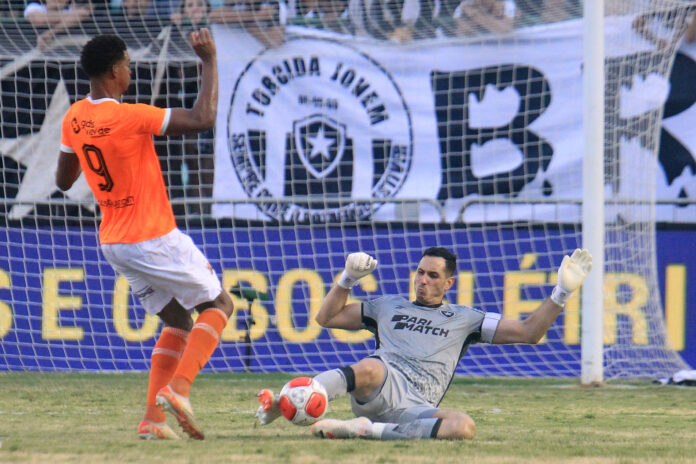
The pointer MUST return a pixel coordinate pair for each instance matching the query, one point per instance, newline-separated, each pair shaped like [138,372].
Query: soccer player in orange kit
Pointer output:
[111,142]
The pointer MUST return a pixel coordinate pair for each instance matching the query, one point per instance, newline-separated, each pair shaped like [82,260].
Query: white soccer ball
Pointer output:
[303,401]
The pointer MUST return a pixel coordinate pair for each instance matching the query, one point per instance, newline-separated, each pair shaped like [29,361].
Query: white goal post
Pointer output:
[593,192]
[387,131]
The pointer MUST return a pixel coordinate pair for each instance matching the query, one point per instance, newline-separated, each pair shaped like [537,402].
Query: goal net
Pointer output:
[375,126]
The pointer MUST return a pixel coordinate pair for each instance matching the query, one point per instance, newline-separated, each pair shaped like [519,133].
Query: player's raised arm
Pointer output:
[202,115]
[334,312]
[571,274]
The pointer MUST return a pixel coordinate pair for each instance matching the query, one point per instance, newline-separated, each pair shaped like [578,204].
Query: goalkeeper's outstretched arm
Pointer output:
[334,312]
[571,274]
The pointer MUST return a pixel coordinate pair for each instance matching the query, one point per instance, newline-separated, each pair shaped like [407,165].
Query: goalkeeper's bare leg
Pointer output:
[444,424]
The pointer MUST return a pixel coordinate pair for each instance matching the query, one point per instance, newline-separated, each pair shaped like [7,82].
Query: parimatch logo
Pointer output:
[418,324]
[317,130]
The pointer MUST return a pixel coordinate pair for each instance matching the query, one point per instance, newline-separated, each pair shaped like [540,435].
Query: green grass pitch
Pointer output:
[68,418]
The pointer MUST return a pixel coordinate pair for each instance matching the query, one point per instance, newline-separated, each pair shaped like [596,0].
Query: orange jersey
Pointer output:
[113,142]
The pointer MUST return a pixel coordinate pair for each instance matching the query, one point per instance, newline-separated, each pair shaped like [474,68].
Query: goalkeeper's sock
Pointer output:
[201,344]
[337,382]
[165,359]
[419,428]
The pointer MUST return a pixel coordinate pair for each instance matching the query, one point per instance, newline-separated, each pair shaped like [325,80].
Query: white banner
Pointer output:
[677,173]
[319,122]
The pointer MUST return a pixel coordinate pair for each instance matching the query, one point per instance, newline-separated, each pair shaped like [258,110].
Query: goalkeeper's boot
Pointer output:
[148,430]
[269,410]
[334,428]
[180,407]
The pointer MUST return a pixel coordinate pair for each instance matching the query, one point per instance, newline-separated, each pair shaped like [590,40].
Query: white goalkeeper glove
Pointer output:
[572,272]
[269,410]
[358,265]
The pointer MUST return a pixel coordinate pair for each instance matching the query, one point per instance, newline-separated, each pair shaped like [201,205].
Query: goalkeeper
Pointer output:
[395,392]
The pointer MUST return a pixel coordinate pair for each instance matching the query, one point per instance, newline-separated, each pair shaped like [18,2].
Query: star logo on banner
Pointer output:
[39,153]
[321,144]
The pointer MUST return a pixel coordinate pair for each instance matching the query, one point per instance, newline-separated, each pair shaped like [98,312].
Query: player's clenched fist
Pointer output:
[571,274]
[203,44]
[358,265]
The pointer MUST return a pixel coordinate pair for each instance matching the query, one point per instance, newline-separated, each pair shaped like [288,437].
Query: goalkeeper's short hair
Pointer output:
[441,252]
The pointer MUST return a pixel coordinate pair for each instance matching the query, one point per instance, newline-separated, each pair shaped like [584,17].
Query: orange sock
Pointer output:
[202,342]
[165,359]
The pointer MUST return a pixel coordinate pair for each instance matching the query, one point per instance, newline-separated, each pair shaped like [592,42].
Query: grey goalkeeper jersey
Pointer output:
[425,344]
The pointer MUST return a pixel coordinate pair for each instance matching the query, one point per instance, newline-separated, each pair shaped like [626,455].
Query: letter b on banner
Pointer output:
[483,116]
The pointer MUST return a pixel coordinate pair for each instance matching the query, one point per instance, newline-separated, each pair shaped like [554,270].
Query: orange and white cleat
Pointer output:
[335,428]
[148,430]
[180,407]
[269,410]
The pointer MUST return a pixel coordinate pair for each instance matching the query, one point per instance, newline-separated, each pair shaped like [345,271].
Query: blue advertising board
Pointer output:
[63,308]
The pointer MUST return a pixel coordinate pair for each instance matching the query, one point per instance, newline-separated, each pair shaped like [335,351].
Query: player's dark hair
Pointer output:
[449,257]
[101,53]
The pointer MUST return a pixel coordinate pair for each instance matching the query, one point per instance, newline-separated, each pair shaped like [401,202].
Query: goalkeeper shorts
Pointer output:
[397,401]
